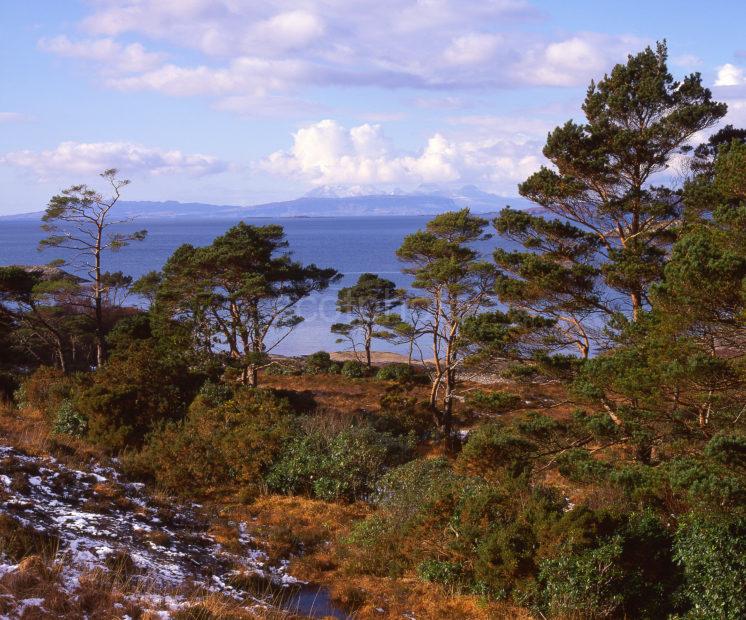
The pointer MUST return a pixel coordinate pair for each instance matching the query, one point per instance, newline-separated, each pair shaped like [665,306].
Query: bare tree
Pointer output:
[79,220]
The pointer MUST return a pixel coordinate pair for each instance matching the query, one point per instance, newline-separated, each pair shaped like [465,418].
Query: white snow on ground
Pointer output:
[95,515]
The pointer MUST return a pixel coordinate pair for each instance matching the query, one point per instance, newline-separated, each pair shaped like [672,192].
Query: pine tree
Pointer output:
[609,226]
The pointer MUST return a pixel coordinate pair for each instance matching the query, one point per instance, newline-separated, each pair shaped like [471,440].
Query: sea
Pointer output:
[351,245]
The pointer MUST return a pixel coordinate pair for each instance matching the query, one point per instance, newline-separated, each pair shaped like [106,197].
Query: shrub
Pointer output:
[444,573]
[282,369]
[586,584]
[579,466]
[352,369]
[521,372]
[712,553]
[214,394]
[401,373]
[385,543]
[457,530]
[45,390]
[69,421]
[611,566]
[401,414]
[232,443]
[493,402]
[317,363]
[344,465]
[137,390]
[492,449]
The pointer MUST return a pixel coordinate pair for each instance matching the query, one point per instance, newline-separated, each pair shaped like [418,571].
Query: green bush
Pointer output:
[235,442]
[401,373]
[493,402]
[712,553]
[215,394]
[69,421]
[401,414]
[458,530]
[444,573]
[579,466]
[610,566]
[352,369]
[492,449]
[587,584]
[343,465]
[317,363]
[137,390]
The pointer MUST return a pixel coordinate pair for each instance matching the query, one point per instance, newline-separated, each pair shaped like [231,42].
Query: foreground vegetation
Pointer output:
[596,470]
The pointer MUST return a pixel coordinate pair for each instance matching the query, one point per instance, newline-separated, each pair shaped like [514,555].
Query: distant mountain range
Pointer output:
[326,201]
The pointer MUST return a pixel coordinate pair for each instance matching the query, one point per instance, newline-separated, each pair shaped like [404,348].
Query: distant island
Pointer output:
[326,202]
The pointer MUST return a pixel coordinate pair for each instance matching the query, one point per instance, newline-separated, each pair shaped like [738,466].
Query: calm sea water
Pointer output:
[352,245]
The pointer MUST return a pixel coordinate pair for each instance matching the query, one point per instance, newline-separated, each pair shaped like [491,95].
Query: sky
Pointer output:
[252,101]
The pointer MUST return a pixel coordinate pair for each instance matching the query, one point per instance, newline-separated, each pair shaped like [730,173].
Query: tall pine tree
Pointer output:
[609,220]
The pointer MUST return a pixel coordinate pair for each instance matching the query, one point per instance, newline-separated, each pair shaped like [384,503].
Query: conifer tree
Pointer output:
[455,283]
[238,294]
[368,301]
[80,220]
[610,220]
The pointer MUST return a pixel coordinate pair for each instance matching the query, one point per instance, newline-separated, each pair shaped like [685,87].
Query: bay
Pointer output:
[352,245]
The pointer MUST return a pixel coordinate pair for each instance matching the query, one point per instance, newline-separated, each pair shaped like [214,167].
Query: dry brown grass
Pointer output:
[300,528]
[335,392]
[28,429]
[307,529]
[377,597]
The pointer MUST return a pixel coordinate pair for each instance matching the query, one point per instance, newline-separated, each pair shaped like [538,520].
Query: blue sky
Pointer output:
[249,101]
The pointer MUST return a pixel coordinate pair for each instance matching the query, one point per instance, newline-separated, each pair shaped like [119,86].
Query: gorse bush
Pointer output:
[318,363]
[336,465]
[230,443]
[138,389]
[712,553]
[352,369]
[69,421]
[493,402]
[401,373]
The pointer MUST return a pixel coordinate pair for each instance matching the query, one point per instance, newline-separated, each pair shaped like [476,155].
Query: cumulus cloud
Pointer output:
[253,50]
[81,158]
[327,153]
[730,75]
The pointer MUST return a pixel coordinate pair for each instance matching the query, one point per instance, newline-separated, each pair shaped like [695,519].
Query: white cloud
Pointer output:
[471,49]
[244,52]
[245,76]
[12,117]
[81,158]
[574,61]
[730,75]
[108,53]
[326,153]
[687,61]
[284,31]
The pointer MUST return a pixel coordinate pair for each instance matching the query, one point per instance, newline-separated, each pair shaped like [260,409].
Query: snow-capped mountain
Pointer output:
[330,201]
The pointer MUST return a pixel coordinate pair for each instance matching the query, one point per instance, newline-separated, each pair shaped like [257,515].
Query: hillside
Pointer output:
[323,202]
[81,540]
